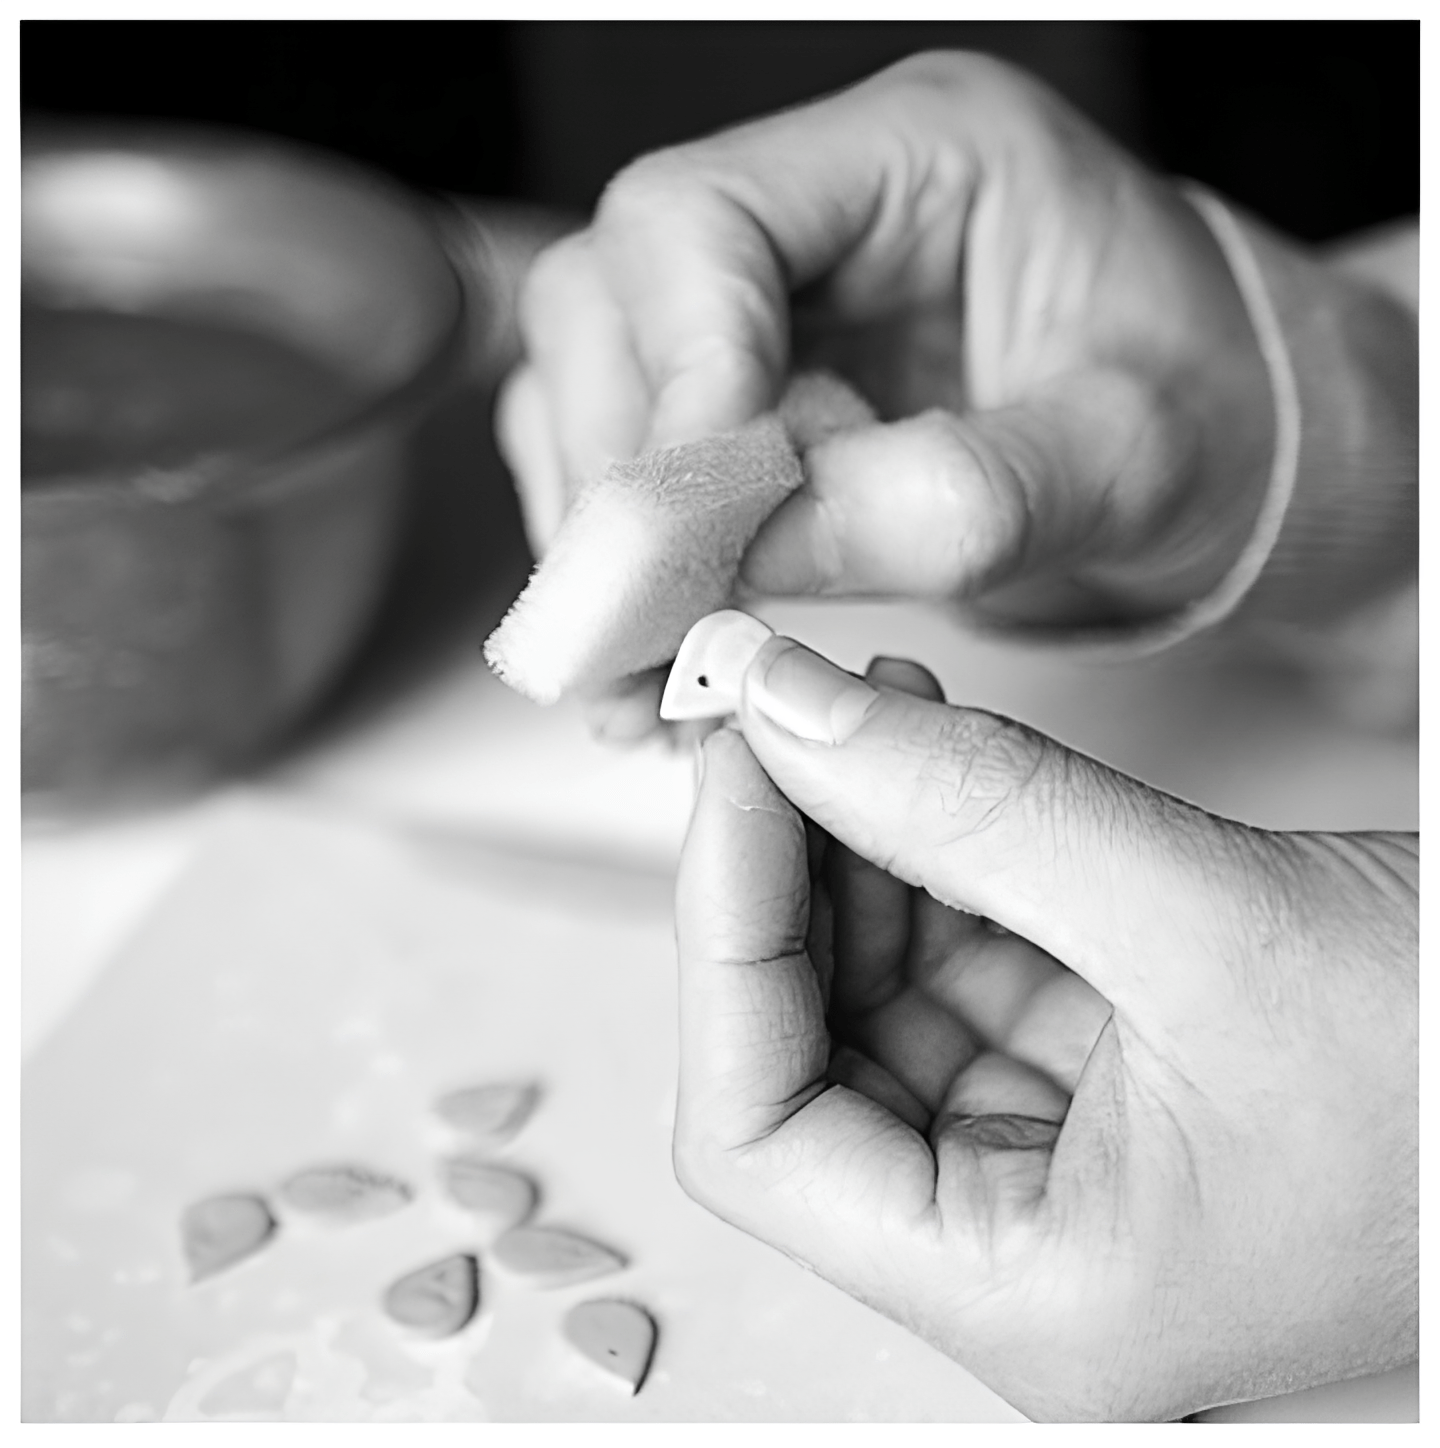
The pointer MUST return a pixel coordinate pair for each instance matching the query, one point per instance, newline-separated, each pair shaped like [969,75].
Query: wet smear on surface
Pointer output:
[256,1391]
[391,1375]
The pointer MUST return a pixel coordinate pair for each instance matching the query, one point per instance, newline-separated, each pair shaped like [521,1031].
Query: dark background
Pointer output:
[1312,124]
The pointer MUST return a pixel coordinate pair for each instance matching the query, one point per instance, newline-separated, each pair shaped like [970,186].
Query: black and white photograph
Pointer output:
[720,716]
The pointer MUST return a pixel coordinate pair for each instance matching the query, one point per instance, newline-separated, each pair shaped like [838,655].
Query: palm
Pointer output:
[935,1013]
[1128,1213]
[928,992]
[939,1016]
[963,1046]
[995,1068]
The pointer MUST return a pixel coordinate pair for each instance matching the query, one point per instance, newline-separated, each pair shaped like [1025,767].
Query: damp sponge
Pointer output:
[655,544]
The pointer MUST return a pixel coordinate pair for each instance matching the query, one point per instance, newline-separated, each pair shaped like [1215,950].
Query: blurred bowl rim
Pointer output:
[247,469]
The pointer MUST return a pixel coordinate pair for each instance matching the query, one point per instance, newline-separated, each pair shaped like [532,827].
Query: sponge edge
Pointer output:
[655,544]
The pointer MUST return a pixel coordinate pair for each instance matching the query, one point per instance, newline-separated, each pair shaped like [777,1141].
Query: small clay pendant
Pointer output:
[344,1193]
[497,1197]
[705,680]
[548,1257]
[616,1336]
[489,1115]
[437,1300]
[221,1231]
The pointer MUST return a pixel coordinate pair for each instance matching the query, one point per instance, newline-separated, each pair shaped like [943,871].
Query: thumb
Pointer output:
[1115,879]
[941,505]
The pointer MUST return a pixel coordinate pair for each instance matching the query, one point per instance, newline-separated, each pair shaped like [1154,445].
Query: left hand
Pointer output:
[1152,1150]
[1079,417]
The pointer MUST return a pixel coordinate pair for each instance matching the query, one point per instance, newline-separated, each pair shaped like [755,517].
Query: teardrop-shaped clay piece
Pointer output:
[345,1193]
[705,679]
[616,1336]
[498,1197]
[549,1257]
[492,1114]
[222,1230]
[437,1300]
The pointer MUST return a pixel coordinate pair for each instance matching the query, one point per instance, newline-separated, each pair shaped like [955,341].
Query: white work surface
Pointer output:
[461,886]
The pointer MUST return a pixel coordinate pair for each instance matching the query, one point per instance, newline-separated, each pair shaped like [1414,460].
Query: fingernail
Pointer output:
[705,678]
[810,697]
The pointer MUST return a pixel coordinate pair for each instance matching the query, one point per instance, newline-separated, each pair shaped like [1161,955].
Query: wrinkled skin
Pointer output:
[1152,1150]
[1078,418]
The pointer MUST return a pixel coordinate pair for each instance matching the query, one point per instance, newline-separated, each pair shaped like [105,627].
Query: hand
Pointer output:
[1081,418]
[1152,1150]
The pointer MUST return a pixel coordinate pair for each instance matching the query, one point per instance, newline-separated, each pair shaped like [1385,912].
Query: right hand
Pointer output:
[1080,420]
[1149,1148]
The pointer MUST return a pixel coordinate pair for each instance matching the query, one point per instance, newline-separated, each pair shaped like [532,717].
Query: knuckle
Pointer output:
[645,191]
[517,404]
[1129,397]
[943,68]
[512,397]
[982,494]
[1147,447]
[721,355]
[701,189]
[554,266]
[550,281]
[948,71]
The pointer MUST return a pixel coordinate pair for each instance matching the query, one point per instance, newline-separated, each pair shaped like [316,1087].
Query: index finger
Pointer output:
[703,243]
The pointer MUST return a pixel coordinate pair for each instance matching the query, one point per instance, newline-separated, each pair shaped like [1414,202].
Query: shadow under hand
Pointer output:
[462,561]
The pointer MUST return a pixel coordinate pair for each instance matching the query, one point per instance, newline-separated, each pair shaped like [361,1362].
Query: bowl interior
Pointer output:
[238,231]
[181,610]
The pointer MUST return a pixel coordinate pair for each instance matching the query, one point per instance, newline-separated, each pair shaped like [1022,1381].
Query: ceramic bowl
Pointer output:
[178,619]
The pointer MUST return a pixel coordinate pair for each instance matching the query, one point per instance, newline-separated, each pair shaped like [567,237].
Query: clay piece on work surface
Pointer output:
[437,1300]
[548,1257]
[490,1115]
[496,1196]
[222,1230]
[345,1193]
[618,1337]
